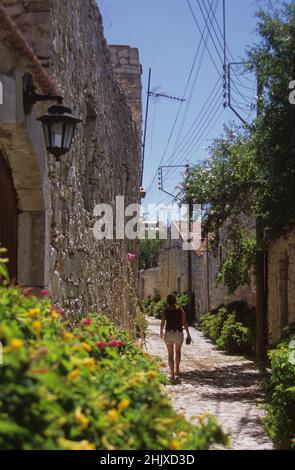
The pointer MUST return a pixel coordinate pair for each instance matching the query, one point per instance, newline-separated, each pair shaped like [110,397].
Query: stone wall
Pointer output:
[281,285]
[105,160]
[128,71]
[148,283]
[205,270]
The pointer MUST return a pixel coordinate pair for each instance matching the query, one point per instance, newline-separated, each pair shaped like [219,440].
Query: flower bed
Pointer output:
[82,386]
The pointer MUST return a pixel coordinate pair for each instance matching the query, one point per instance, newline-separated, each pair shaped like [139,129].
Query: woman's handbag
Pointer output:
[188,340]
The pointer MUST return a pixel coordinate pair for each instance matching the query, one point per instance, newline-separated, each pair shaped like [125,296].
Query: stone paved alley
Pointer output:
[228,387]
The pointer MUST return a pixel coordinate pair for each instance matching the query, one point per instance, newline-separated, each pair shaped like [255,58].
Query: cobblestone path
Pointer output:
[228,387]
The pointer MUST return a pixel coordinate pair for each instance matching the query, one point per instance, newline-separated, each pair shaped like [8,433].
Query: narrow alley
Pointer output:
[229,387]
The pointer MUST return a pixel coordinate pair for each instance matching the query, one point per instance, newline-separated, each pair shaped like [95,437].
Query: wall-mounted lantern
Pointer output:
[58,123]
[59,129]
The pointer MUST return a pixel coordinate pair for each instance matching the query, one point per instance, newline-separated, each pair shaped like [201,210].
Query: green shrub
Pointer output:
[236,337]
[280,419]
[212,323]
[232,328]
[83,386]
[159,307]
[154,306]
[182,301]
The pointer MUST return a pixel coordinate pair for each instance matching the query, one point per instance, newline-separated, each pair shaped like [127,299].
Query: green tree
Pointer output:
[250,171]
[149,250]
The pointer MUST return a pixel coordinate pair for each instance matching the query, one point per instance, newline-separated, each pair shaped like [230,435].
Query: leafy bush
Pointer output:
[82,386]
[159,307]
[280,419]
[212,323]
[236,337]
[155,305]
[182,301]
[232,328]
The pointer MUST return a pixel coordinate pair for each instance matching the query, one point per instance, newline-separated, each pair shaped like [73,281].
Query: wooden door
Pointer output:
[8,217]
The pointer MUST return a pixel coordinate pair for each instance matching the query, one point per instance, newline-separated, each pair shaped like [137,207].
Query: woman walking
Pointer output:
[175,320]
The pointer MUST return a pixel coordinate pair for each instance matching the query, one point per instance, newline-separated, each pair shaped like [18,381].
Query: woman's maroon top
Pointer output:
[173,317]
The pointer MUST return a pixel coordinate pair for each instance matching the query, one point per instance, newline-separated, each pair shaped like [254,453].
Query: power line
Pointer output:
[179,109]
[212,98]
[199,29]
[198,70]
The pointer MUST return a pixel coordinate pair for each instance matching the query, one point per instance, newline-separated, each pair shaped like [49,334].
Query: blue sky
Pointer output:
[167,37]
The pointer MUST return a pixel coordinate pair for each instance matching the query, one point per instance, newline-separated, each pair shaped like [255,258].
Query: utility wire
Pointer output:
[179,109]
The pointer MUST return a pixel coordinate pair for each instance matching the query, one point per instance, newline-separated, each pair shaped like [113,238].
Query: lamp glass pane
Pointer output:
[56,133]
[69,134]
[47,135]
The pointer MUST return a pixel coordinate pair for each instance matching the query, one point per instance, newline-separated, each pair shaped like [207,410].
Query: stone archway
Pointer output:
[8,217]
[22,162]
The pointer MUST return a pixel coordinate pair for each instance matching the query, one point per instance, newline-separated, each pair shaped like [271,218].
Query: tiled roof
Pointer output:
[18,43]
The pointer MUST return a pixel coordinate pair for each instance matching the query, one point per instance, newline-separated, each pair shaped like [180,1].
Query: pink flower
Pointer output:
[27,292]
[43,350]
[132,256]
[101,344]
[87,322]
[45,292]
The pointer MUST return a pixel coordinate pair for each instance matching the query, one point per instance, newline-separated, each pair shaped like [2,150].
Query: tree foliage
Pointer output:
[149,250]
[250,171]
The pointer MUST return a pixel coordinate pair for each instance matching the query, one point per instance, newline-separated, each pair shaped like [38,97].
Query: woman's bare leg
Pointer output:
[177,357]
[170,348]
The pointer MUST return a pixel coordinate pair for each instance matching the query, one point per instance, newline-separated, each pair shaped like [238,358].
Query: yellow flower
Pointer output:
[113,414]
[37,326]
[84,346]
[123,404]
[74,374]
[81,419]
[175,445]
[89,362]
[103,404]
[55,315]
[34,312]
[68,336]
[152,374]
[16,344]
[203,416]
[73,445]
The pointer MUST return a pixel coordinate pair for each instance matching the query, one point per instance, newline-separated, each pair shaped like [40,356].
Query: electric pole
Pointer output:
[260,264]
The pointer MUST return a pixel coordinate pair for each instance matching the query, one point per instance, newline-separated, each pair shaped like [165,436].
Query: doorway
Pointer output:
[8,217]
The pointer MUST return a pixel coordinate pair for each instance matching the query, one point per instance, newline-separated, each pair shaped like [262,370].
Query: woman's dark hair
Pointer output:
[171,299]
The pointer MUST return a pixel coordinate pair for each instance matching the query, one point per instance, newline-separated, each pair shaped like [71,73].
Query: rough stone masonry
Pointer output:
[67,37]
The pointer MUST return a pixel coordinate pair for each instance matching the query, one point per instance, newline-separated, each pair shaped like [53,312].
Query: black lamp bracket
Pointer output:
[30,97]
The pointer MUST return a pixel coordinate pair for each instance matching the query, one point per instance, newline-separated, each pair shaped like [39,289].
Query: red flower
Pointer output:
[101,344]
[61,311]
[27,292]
[87,322]
[115,343]
[45,292]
